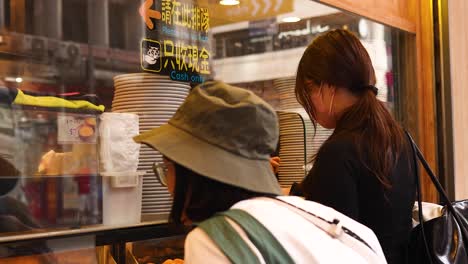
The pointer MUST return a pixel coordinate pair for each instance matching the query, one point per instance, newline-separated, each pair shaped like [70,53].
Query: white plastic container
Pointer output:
[122,195]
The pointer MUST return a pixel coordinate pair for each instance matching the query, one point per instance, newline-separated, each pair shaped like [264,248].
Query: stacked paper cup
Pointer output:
[289,103]
[154,99]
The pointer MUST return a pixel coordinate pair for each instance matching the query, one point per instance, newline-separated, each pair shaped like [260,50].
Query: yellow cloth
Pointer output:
[51,101]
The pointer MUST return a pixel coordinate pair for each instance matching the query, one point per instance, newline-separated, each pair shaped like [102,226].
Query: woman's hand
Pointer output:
[174,261]
[275,163]
[286,190]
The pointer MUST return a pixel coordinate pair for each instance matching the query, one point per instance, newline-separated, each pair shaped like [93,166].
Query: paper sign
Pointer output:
[76,129]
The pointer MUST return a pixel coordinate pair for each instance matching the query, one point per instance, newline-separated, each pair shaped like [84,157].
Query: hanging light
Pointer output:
[291,19]
[14,79]
[229,2]
[363,28]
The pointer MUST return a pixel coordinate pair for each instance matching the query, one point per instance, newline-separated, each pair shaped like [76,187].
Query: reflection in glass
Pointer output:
[74,49]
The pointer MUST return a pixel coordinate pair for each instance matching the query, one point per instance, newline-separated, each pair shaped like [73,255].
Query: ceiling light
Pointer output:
[14,79]
[229,2]
[363,27]
[291,19]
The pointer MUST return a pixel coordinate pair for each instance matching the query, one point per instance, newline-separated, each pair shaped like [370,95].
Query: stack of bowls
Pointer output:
[313,139]
[285,88]
[292,148]
[154,99]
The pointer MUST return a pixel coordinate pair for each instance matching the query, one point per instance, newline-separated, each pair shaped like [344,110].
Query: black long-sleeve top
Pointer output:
[340,179]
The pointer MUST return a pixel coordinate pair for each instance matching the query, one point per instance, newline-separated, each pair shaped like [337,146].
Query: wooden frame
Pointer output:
[458,40]
[400,14]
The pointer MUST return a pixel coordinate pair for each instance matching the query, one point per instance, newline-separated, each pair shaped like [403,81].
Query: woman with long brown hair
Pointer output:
[363,170]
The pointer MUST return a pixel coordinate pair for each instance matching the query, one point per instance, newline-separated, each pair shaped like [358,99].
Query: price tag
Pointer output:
[76,129]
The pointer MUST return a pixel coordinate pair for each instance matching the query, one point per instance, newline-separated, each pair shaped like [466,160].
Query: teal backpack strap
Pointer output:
[235,248]
[272,251]
[228,240]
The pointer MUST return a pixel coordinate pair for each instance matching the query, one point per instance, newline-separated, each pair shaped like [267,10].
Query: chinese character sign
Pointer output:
[182,62]
[185,15]
[176,42]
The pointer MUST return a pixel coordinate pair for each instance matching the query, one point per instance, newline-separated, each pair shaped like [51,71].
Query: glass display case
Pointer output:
[55,155]
[60,64]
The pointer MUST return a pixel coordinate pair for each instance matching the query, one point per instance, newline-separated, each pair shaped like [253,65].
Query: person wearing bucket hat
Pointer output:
[235,130]
[216,151]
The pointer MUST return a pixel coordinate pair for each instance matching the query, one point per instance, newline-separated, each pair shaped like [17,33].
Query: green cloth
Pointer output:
[51,101]
[235,248]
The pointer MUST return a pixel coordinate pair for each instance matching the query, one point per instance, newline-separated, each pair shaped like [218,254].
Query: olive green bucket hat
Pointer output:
[224,133]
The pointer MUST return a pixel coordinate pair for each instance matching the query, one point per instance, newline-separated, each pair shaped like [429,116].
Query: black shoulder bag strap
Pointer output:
[418,192]
[443,195]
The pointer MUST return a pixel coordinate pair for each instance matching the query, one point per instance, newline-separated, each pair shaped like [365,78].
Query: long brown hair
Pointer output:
[338,58]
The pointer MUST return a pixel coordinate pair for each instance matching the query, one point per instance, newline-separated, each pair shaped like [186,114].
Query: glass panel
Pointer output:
[58,60]
[80,250]
[156,250]
[263,55]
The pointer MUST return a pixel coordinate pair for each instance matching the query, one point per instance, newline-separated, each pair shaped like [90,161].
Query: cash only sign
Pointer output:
[176,41]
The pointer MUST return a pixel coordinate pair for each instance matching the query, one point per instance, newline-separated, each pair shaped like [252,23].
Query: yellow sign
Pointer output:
[185,15]
[176,42]
[187,57]
[249,10]
[182,62]
[176,13]
[147,13]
